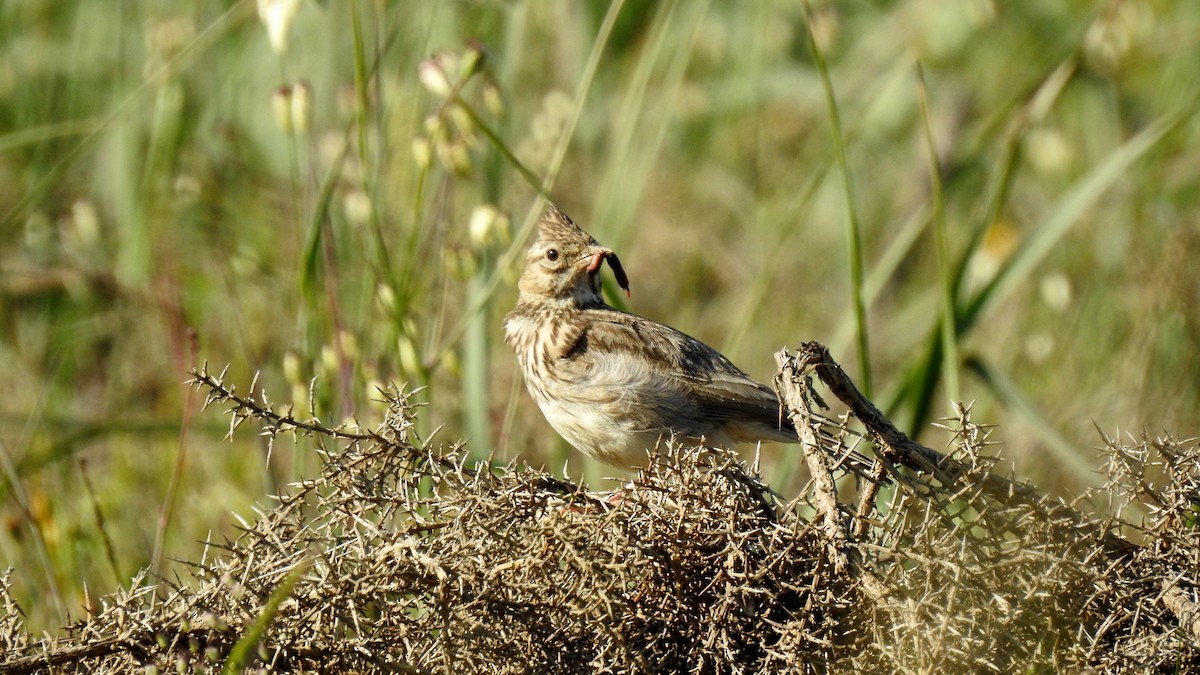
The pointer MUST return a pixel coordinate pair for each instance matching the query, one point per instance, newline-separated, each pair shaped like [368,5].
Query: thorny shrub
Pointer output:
[401,557]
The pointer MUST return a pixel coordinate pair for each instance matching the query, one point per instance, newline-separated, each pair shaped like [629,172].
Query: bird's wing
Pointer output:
[659,367]
[657,358]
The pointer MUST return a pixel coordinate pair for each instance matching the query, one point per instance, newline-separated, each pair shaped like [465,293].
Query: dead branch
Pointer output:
[897,448]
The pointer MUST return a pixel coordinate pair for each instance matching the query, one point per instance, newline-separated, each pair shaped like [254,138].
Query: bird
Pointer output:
[614,384]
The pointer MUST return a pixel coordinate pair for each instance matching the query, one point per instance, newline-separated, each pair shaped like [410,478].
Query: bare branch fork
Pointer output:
[898,450]
[949,476]
[795,389]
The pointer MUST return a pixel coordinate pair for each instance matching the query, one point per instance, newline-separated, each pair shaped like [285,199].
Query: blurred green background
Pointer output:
[178,186]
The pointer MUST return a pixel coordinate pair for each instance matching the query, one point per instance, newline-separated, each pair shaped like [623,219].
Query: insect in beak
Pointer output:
[614,262]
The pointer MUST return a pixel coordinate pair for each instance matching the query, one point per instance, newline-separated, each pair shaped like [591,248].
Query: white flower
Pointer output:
[277,16]
[482,225]
[432,74]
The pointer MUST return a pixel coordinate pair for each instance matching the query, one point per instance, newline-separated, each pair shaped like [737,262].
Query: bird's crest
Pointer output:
[557,226]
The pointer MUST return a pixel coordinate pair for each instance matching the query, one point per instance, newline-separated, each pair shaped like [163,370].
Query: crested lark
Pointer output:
[613,383]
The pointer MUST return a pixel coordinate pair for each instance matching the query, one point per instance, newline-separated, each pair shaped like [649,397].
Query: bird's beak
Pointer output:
[598,255]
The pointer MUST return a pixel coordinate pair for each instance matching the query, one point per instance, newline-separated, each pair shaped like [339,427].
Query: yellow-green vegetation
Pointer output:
[343,201]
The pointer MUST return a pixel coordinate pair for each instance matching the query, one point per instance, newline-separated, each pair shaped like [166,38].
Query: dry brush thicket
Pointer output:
[401,557]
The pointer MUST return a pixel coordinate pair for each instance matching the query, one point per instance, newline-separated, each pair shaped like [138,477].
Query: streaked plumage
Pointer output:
[613,383]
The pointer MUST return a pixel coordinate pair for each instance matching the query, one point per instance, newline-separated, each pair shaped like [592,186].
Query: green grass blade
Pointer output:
[501,146]
[242,651]
[949,334]
[853,229]
[310,265]
[48,132]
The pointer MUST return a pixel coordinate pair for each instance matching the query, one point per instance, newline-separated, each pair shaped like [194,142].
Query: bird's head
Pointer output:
[563,265]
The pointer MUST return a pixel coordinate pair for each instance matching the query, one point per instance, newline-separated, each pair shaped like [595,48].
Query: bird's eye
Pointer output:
[552,254]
